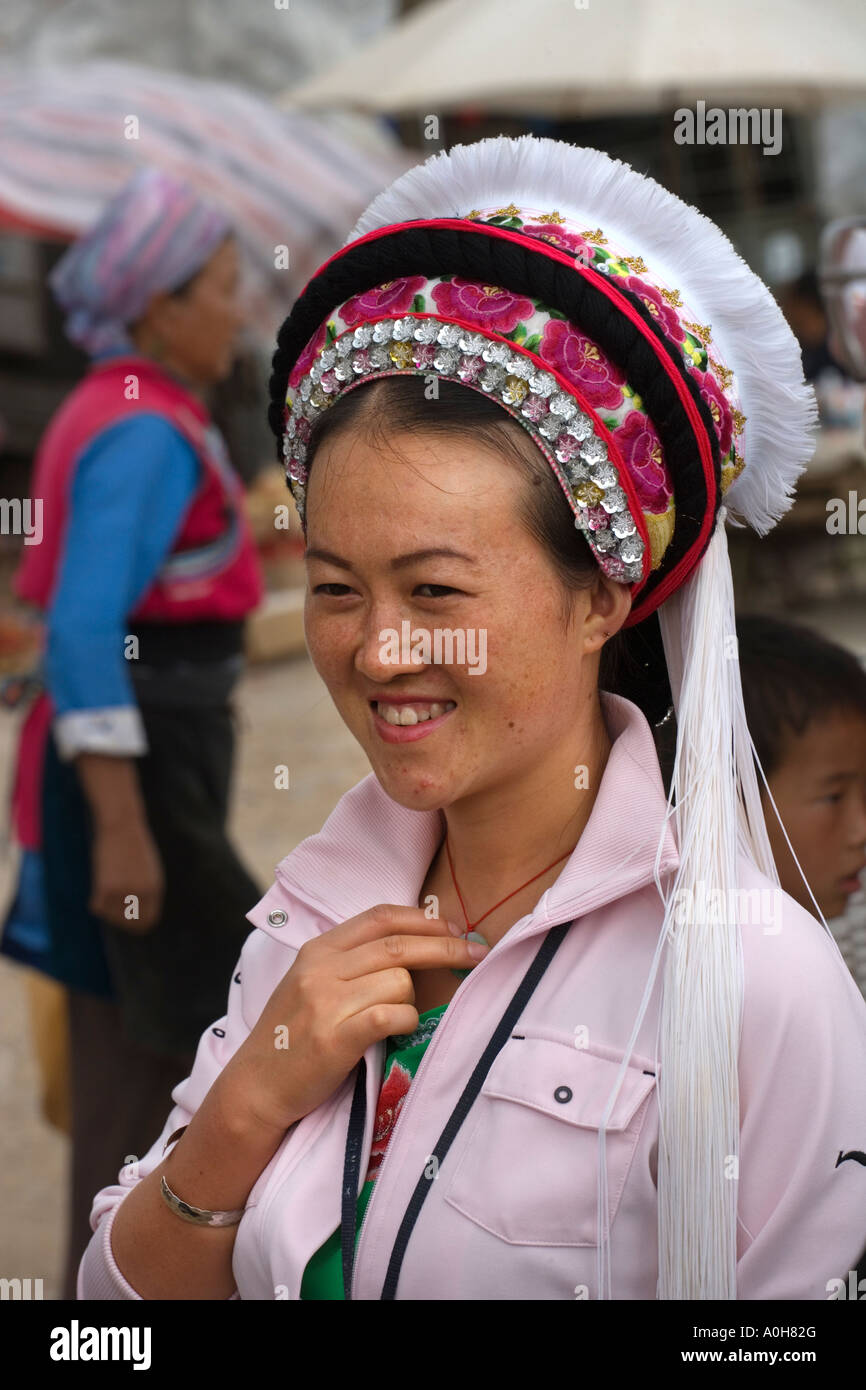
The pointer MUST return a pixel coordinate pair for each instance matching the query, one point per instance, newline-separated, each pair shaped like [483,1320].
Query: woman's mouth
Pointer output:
[409,720]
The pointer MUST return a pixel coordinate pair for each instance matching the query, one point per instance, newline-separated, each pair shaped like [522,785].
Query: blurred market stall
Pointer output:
[592,56]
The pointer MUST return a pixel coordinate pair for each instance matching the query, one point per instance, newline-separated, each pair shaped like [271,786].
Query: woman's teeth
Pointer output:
[412,714]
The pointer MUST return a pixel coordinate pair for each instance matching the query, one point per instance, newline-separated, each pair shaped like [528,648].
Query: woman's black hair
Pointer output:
[792,677]
[632,662]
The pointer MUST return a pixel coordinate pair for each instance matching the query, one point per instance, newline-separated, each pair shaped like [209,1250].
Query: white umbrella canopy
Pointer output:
[70,137]
[574,57]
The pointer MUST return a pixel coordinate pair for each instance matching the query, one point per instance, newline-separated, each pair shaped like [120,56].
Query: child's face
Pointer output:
[820,790]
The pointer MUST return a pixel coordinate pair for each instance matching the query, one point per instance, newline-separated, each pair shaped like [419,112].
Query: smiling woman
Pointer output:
[534,715]
[515,403]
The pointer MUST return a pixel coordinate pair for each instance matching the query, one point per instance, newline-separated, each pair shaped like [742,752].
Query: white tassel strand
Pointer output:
[702,1000]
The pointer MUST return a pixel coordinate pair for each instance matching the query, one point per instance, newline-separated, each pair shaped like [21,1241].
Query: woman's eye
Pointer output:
[442,588]
[336,590]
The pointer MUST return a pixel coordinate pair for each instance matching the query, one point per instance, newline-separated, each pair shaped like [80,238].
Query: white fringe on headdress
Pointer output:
[714,796]
[678,243]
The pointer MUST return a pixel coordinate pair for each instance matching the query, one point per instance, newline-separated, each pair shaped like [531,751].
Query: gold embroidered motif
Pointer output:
[660,528]
[739,421]
[701,330]
[724,374]
[471,216]
[732,471]
[597,237]
[550,217]
[671,297]
[636,263]
[510,211]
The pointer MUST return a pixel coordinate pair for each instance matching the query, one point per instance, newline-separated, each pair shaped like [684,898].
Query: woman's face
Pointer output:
[197,329]
[430,542]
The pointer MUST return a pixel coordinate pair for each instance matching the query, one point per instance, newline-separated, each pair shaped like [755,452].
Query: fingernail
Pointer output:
[455,930]
[477,949]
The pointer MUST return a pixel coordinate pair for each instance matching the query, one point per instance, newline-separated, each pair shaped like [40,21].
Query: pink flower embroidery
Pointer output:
[570,242]
[305,360]
[394,297]
[582,362]
[642,455]
[719,409]
[664,315]
[487,306]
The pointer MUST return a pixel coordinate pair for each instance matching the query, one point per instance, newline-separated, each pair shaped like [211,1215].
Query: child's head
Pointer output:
[805,702]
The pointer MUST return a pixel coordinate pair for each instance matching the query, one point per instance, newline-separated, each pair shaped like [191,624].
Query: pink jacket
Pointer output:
[512,1212]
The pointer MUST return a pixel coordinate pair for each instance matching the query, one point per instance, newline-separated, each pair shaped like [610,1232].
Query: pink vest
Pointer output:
[212,573]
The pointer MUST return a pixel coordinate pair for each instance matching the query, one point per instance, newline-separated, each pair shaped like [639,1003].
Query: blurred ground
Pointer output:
[284,716]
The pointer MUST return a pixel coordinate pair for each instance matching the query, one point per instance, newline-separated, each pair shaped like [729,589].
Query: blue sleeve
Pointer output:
[130,492]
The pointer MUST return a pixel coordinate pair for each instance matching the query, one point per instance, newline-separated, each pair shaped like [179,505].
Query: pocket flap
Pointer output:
[569,1083]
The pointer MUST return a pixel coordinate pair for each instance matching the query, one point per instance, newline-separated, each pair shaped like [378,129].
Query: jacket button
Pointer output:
[278,917]
[563,1094]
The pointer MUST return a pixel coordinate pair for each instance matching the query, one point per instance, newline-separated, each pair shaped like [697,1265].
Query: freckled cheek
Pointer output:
[331,645]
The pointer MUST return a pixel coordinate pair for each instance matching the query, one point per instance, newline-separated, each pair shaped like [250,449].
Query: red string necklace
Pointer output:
[470,926]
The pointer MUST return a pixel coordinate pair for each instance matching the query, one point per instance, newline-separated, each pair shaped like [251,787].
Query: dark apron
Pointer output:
[172,982]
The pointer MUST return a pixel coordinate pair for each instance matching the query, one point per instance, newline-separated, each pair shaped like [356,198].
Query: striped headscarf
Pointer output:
[152,237]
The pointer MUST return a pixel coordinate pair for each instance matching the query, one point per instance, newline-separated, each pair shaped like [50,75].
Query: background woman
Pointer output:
[145,573]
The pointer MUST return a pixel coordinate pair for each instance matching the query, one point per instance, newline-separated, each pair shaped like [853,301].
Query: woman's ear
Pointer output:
[609,606]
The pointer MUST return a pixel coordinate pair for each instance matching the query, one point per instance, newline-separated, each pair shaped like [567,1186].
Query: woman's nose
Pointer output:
[385,648]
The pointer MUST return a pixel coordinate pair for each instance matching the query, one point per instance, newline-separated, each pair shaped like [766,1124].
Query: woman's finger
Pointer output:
[426,952]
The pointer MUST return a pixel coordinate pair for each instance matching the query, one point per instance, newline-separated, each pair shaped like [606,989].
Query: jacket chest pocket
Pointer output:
[528,1172]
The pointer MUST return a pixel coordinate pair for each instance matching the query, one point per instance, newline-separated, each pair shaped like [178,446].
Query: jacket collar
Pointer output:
[373,850]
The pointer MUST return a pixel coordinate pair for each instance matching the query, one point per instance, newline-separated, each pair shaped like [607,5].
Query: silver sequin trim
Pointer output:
[548,412]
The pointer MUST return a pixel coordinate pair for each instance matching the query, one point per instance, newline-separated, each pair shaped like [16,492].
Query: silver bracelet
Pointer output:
[196,1215]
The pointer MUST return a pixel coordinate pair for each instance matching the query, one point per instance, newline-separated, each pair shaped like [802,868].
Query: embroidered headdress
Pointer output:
[659,379]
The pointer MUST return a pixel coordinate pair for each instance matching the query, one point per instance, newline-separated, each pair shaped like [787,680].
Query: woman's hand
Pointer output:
[127,876]
[347,989]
